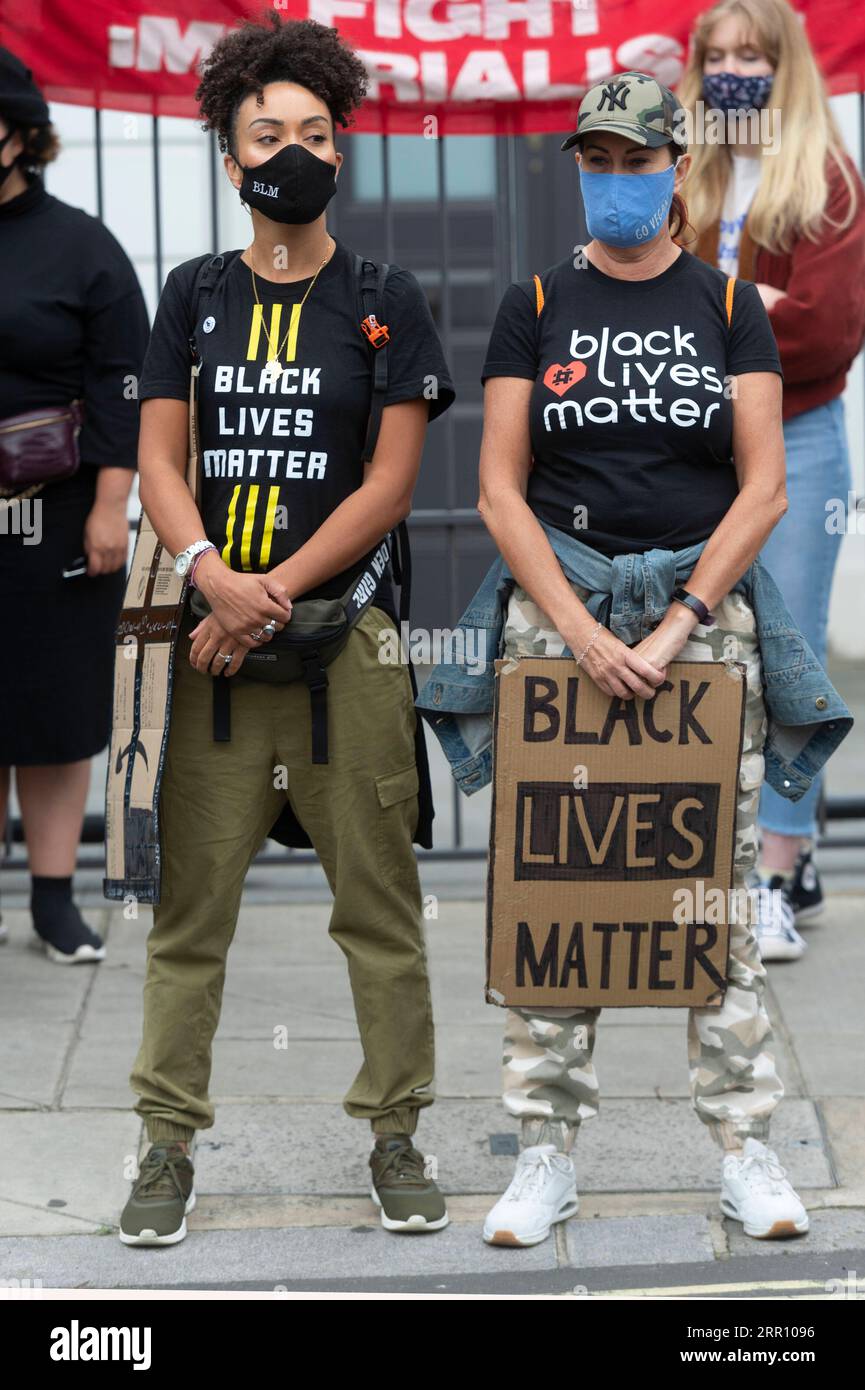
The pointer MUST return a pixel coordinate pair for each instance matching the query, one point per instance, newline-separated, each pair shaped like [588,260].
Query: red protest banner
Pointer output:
[476,66]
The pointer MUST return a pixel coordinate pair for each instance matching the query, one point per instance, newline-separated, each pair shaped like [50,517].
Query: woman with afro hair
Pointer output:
[287,510]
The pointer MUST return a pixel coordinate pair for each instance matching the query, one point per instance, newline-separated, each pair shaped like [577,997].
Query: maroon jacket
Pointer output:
[820,324]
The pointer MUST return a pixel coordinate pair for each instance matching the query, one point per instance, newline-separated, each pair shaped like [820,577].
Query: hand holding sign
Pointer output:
[669,637]
[618,669]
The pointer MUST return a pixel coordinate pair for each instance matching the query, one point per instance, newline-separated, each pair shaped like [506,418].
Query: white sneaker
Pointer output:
[755,1189]
[543,1191]
[775,927]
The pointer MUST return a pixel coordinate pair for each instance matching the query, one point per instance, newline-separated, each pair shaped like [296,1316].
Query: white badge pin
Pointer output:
[209,324]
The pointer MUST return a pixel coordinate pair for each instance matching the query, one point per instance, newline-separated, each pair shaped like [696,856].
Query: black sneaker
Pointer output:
[162,1194]
[65,937]
[802,889]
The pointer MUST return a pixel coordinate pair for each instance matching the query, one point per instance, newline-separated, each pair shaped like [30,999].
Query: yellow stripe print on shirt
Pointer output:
[241,517]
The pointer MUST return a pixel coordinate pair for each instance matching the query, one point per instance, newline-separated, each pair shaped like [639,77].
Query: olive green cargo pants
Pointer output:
[217,803]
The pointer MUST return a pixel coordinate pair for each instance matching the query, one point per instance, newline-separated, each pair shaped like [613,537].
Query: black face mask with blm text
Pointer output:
[294,185]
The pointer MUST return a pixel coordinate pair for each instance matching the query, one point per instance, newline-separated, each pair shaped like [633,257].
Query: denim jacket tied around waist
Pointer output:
[807,719]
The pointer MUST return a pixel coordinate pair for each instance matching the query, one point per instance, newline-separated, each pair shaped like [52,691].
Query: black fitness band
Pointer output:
[695,604]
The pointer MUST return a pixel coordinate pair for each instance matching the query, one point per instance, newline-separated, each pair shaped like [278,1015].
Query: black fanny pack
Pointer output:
[313,637]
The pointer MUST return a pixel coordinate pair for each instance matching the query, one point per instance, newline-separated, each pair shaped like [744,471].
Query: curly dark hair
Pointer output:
[41,145]
[292,50]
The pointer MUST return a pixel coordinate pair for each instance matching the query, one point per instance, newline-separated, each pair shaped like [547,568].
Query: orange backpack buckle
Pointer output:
[376,332]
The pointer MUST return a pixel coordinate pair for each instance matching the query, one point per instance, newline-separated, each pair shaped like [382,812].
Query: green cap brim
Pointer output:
[639,133]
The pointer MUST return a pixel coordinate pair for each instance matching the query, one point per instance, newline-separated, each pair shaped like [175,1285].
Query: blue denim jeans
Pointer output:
[801,556]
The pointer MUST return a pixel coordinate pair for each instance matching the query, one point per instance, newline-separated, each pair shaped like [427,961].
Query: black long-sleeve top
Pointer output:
[73,322]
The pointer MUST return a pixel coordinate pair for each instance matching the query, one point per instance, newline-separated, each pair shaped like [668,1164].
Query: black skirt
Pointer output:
[57,644]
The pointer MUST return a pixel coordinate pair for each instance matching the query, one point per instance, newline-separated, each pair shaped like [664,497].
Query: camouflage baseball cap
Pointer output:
[632,104]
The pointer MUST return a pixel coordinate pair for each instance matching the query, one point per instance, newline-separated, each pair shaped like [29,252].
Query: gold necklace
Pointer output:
[274,368]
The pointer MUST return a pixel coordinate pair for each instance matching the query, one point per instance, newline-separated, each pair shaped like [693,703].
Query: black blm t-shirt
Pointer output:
[279,457]
[631,417]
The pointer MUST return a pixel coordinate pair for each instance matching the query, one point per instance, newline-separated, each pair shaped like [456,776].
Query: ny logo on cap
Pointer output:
[615,93]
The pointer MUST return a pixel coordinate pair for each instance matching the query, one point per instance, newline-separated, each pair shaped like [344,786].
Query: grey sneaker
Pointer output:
[162,1194]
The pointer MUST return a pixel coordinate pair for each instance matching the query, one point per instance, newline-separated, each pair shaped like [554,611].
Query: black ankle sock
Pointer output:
[55,916]
[43,885]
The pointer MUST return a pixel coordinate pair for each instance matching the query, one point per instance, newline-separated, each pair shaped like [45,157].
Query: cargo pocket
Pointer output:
[398,812]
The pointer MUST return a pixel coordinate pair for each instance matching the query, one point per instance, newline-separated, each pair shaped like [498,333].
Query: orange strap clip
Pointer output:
[376,332]
[539,295]
[731,285]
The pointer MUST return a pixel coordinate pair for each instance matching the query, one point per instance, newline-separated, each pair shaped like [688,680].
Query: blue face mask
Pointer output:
[627,209]
[727,91]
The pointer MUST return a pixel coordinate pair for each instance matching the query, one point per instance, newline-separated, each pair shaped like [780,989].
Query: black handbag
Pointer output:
[38,447]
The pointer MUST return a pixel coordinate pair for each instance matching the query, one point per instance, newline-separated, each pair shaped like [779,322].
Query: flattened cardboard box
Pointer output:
[145,638]
[603,810]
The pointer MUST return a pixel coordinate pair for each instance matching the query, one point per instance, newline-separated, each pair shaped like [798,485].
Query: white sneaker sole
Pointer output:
[502,1236]
[82,956]
[149,1237]
[415,1224]
[779,1230]
[778,948]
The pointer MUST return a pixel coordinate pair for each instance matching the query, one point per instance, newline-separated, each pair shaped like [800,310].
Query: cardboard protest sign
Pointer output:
[604,810]
[145,638]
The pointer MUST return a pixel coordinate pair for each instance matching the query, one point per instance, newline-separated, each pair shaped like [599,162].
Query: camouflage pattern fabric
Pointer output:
[634,104]
[549,1079]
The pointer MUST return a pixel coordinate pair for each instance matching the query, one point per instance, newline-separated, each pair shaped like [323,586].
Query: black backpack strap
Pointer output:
[221,709]
[401,552]
[204,283]
[315,676]
[371,280]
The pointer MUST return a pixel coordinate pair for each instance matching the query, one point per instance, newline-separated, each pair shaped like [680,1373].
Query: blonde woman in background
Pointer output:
[784,207]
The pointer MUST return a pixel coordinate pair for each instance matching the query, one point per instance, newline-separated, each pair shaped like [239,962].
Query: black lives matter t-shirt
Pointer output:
[279,456]
[631,415]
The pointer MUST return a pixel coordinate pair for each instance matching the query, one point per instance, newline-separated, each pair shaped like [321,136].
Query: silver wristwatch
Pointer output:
[183,561]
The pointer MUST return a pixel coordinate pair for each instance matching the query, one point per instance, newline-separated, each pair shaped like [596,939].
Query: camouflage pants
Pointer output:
[549,1077]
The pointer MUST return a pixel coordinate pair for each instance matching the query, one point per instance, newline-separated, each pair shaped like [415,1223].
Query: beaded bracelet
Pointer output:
[593,639]
[195,564]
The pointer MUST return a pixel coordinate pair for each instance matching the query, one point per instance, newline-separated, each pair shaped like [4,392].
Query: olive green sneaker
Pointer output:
[409,1200]
[161,1196]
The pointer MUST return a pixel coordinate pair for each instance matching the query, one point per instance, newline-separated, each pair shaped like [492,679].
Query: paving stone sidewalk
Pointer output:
[282,1176]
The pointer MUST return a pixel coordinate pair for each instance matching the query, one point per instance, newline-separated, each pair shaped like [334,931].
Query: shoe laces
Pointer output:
[159,1174]
[774,911]
[405,1163]
[764,1173]
[531,1175]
